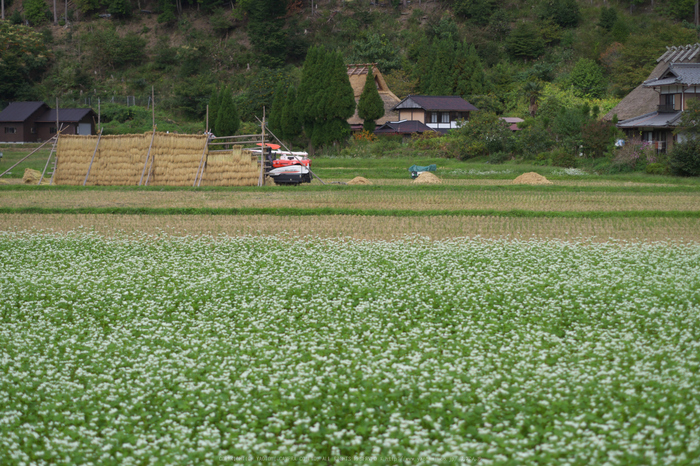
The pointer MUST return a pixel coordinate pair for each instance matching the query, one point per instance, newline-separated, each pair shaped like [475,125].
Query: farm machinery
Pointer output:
[285,167]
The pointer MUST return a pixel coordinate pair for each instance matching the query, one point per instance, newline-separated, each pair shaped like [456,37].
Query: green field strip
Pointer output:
[290,211]
[367,188]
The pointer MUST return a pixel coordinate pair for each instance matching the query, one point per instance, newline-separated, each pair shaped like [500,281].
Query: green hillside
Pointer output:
[512,57]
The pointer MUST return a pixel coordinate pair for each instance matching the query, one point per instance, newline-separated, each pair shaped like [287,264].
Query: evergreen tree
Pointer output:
[468,76]
[371,106]
[336,103]
[266,30]
[275,120]
[214,102]
[325,99]
[608,16]
[525,41]
[422,56]
[227,120]
[120,8]
[309,88]
[440,80]
[563,12]
[291,123]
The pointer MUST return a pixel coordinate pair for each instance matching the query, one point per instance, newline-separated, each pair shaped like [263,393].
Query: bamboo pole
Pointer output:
[261,178]
[150,167]
[93,157]
[48,160]
[153,105]
[201,162]
[27,156]
[206,125]
[148,155]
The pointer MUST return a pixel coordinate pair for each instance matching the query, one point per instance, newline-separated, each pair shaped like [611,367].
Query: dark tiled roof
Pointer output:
[652,120]
[20,111]
[68,115]
[687,74]
[450,103]
[403,127]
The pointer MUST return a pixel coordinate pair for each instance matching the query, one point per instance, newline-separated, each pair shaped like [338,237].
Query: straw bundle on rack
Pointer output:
[173,161]
[237,167]
[73,155]
[176,158]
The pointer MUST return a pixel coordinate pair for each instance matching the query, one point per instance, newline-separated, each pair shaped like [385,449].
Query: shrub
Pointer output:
[365,136]
[685,158]
[563,158]
[35,11]
[656,169]
[499,157]
[635,155]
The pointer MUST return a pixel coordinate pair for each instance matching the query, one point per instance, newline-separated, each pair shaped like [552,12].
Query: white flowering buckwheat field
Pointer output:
[183,350]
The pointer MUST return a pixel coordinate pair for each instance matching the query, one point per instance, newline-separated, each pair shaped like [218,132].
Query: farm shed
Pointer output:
[35,121]
[160,159]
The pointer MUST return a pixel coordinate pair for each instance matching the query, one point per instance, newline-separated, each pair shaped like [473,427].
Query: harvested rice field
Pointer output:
[362,197]
[365,227]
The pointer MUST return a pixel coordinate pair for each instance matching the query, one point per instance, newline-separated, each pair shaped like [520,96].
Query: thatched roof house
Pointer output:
[644,99]
[358,77]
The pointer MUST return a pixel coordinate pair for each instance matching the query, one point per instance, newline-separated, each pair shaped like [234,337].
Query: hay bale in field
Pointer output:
[427,178]
[531,178]
[31,176]
[359,180]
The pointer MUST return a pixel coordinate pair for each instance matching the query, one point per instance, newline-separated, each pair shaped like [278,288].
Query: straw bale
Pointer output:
[427,178]
[31,176]
[531,178]
[359,180]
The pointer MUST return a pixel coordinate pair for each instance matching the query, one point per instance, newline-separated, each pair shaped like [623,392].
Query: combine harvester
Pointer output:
[285,167]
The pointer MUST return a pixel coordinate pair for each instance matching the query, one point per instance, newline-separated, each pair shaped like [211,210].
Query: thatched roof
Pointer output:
[358,76]
[642,99]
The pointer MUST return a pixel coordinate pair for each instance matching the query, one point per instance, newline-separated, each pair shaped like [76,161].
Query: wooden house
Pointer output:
[441,113]
[654,108]
[35,121]
[358,76]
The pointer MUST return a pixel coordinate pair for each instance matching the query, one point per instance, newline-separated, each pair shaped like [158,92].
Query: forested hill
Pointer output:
[495,53]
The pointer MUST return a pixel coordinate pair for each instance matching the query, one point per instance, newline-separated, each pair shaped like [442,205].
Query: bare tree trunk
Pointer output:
[3,8]
[55,13]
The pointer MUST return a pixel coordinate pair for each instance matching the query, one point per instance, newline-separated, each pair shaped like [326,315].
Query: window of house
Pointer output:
[10,130]
[433,117]
[670,99]
[445,117]
[33,130]
[52,130]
